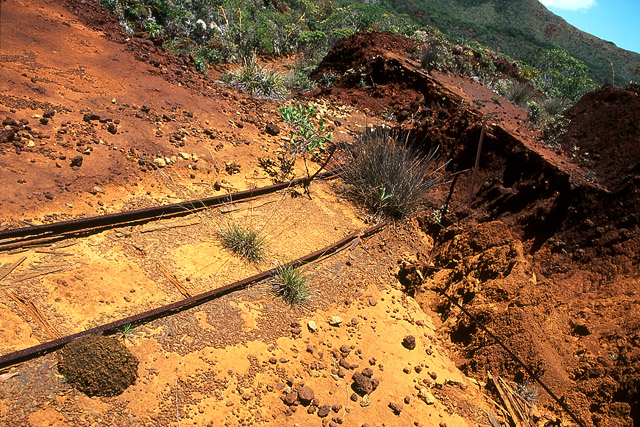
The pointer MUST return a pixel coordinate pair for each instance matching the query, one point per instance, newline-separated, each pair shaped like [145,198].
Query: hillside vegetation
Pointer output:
[521,28]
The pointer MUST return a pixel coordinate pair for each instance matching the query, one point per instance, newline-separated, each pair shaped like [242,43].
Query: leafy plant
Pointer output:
[554,129]
[308,134]
[125,332]
[291,283]
[555,106]
[243,240]
[387,174]
[536,112]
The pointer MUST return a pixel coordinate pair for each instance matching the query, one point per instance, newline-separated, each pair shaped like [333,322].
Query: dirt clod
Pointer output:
[409,342]
[98,366]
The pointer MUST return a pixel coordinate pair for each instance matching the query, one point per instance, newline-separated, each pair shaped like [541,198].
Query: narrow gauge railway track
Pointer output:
[169,309]
[46,233]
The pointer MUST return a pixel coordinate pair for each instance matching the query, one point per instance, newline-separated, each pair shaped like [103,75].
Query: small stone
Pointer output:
[160,162]
[372,302]
[361,384]
[290,398]
[323,411]
[395,407]
[335,320]
[77,161]
[272,129]
[313,327]
[185,156]
[407,400]
[353,397]
[409,342]
[306,395]
[426,396]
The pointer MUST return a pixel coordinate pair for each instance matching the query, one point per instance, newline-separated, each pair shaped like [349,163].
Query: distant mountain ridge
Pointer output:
[519,28]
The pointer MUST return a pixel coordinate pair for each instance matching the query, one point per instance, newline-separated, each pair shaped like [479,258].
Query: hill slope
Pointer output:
[520,28]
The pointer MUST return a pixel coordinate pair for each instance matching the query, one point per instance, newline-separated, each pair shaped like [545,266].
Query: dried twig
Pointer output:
[5,270]
[31,309]
[181,288]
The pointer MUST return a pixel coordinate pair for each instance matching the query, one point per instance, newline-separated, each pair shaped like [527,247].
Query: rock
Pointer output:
[31,143]
[334,320]
[184,155]
[313,327]
[290,398]
[323,411]
[305,394]
[367,372]
[7,135]
[77,161]
[49,113]
[395,407]
[194,157]
[372,302]
[112,128]
[159,162]
[272,129]
[426,396]
[44,121]
[90,116]
[409,342]
[361,384]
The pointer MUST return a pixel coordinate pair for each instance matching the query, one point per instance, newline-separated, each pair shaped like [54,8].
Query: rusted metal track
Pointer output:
[141,215]
[41,349]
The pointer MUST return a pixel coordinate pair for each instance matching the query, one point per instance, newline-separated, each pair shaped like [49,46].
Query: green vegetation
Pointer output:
[291,283]
[308,134]
[521,29]
[386,174]
[257,80]
[243,240]
[125,332]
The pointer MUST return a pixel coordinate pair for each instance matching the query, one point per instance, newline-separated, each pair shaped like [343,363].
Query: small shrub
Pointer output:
[554,130]
[291,283]
[243,240]
[258,80]
[555,106]
[536,112]
[520,93]
[387,174]
[308,133]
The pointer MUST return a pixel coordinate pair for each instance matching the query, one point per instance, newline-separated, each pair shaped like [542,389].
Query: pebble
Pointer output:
[395,407]
[426,396]
[160,162]
[409,342]
[313,327]
[335,320]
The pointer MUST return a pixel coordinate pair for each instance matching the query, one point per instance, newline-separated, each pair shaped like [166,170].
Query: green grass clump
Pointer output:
[520,93]
[243,240]
[291,283]
[257,80]
[386,174]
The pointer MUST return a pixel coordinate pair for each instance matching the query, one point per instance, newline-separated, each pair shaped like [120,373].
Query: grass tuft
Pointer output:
[291,283]
[257,80]
[243,240]
[520,93]
[386,174]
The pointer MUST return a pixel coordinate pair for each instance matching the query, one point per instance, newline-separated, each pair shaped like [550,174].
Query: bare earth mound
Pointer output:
[98,366]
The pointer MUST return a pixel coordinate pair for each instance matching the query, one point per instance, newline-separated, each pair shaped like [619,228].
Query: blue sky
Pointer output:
[617,21]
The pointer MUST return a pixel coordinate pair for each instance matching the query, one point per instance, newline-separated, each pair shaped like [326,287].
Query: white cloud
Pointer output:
[570,4]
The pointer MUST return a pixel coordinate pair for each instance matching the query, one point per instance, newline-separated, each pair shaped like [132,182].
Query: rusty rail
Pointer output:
[41,349]
[96,223]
